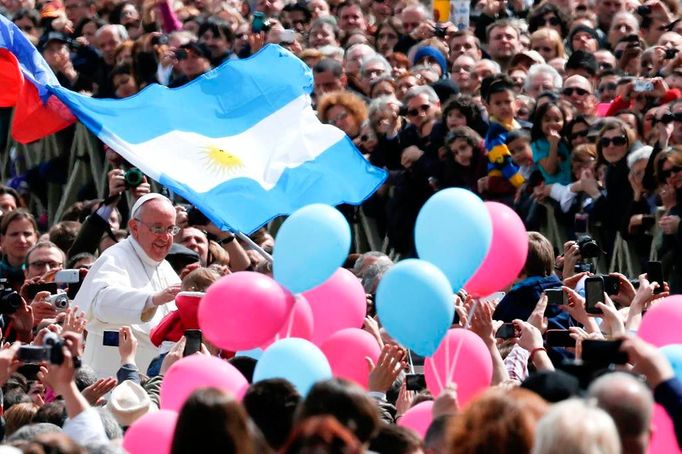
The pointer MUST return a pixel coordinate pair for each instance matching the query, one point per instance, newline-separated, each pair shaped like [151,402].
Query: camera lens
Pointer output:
[133,177]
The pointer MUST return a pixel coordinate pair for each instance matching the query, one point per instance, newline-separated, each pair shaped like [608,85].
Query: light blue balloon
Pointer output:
[674,355]
[297,360]
[254,353]
[414,304]
[311,245]
[454,232]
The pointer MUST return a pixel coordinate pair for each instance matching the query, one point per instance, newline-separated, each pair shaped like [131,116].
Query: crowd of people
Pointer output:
[568,111]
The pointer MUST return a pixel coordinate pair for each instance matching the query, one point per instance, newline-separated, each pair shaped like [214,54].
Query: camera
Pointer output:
[642,86]
[440,32]
[10,300]
[51,351]
[60,301]
[133,178]
[589,248]
[161,39]
[670,53]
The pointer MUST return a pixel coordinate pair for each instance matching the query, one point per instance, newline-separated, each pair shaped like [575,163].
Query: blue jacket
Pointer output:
[522,298]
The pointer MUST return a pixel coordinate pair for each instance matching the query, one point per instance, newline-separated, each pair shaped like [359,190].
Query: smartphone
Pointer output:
[648,221]
[110,338]
[258,24]
[33,289]
[287,36]
[594,293]
[555,296]
[611,285]
[415,382]
[506,331]
[30,371]
[193,341]
[67,276]
[494,297]
[641,86]
[603,352]
[559,338]
[654,272]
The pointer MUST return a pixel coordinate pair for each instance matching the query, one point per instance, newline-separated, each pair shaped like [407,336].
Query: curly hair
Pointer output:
[355,105]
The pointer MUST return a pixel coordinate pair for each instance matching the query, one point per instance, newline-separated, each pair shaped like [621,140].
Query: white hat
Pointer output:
[128,402]
[144,199]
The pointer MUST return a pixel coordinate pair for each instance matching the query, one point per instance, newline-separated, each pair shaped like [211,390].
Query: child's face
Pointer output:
[462,152]
[501,106]
[520,151]
[553,120]
[455,119]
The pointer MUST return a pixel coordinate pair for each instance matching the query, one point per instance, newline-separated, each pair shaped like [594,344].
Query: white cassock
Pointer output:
[115,293]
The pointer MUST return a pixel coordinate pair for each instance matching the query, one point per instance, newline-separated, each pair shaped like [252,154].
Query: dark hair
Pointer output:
[78,257]
[244,364]
[212,421]
[299,6]
[497,83]
[395,440]
[638,120]
[63,234]
[516,134]
[328,64]
[52,412]
[540,259]
[539,115]
[322,434]
[271,404]
[391,22]
[85,21]
[581,59]
[217,28]
[469,109]
[117,11]
[31,14]
[467,134]
[11,191]
[536,17]
[13,397]
[347,402]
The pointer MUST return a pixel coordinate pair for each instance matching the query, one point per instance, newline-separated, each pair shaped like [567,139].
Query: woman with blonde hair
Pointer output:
[343,109]
[547,42]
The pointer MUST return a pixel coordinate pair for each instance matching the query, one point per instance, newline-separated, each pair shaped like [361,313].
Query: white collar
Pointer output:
[142,254]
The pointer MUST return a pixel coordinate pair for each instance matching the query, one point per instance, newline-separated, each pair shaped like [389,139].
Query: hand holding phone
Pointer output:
[594,293]
[507,331]
[415,382]
[193,340]
[559,338]
[110,338]
[654,273]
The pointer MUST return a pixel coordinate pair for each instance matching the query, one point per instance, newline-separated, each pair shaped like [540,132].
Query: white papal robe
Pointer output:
[114,294]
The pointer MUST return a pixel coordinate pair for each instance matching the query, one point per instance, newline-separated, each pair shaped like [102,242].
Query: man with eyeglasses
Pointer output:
[131,284]
[578,91]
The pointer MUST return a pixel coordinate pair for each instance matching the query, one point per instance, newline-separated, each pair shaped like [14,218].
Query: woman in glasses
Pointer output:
[548,15]
[612,202]
[669,177]
[343,109]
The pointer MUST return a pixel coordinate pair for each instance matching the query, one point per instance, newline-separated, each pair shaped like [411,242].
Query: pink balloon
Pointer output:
[346,351]
[151,434]
[418,418]
[506,256]
[199,371]
[663,438]
[299,323]
[461,358]
[243,310]
[338,303]
[661,324]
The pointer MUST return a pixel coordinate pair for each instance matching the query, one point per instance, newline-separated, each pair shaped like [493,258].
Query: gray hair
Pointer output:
[111,427]
[575,426]
[542,68]
[375,106]
[374,273]
[376,58]
[360,262]
[333,52]
[117,29]
[421,90]
[359,46]
[31,431]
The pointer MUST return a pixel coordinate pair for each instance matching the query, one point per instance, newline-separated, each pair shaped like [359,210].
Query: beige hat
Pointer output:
[526,58]
[128,402]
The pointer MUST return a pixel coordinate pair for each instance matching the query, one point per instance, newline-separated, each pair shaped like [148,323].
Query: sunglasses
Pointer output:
[667,173]
[414,112]
[569,91]
[610,86]
[617,141]
[666,119]
[579,134]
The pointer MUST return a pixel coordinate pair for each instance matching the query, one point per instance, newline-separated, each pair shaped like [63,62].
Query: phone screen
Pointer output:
[559,338]
[555,296]
[603,352]
[506,331]
[654,272]
[192,342]
[594,293]
[110,338]
[415,382]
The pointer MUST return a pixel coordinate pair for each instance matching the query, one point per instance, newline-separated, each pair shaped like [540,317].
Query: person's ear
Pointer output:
[134,228]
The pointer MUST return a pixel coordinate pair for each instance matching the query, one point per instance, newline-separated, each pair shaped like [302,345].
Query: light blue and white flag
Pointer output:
[241,142]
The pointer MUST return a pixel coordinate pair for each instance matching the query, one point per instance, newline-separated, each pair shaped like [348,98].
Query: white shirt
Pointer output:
[116,292]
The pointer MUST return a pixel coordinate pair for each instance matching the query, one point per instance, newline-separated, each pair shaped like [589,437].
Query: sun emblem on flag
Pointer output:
[220,161]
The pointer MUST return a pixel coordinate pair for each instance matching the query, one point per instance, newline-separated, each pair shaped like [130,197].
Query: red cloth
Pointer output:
[174,325]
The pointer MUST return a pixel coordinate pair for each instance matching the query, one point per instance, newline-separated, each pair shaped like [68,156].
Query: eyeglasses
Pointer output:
[159,230]
[568,91]
[27,28]
[666,119]
[414,112]
[578,134]
[617,141]
[338,119]
[609,86]
[667,173]
[552,21]
[45,264]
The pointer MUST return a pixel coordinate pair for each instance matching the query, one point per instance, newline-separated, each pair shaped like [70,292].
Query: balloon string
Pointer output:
[446,379]
[470,315]
[290,320]
[430,362]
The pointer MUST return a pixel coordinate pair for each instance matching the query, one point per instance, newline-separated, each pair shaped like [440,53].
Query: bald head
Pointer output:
[630,403]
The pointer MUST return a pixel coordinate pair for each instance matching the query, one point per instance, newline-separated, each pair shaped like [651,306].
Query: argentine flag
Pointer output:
[241,142]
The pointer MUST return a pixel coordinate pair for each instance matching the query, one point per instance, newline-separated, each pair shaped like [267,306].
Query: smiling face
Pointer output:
[462,152]
[154,213]
[553,120]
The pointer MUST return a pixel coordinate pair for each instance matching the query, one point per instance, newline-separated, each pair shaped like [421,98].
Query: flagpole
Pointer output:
[254,246]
